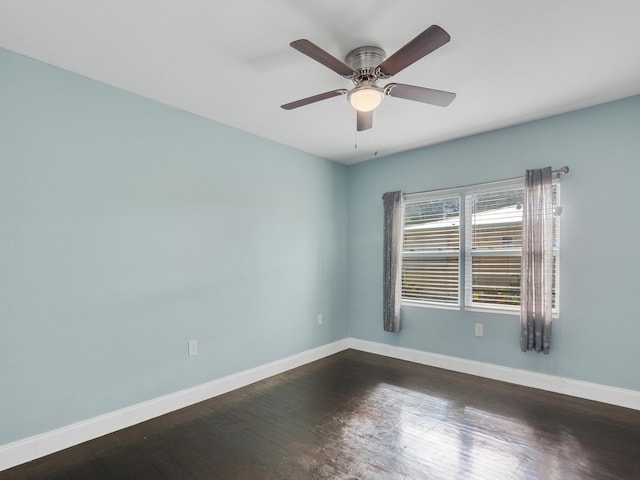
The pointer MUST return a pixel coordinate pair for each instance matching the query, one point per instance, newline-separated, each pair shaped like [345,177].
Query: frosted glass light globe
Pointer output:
[365,99]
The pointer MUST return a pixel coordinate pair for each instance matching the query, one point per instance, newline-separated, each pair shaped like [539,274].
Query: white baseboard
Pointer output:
[37,446]
[566,386]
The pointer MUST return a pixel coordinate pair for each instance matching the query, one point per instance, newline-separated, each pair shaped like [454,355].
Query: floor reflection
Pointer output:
[443,438]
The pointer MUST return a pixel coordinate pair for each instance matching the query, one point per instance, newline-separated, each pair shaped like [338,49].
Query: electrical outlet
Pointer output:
[193,347]
[319,319]
[479,330]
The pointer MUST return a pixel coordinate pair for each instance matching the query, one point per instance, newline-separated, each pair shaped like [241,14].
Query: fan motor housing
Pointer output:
[364,61]
[365,57]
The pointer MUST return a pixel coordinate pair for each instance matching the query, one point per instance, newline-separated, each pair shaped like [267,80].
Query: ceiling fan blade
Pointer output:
[313,99]
[428,41]
[325,58]
[420,94]
[365,120]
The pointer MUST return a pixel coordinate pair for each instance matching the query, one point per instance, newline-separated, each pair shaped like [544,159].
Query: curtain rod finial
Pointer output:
[564,170]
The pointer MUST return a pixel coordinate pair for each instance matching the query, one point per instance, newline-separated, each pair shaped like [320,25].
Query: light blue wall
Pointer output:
[596,337]
[129,228]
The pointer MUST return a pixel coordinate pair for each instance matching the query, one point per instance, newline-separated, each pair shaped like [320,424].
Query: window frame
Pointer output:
[465,271]
[470,253]
[430,197]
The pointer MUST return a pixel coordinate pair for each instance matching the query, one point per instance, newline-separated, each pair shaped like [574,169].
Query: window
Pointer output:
[489,263]
[431,251]
[493,247]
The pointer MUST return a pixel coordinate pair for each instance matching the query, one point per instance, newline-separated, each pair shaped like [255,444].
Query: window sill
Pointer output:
[409,303]
[501,311]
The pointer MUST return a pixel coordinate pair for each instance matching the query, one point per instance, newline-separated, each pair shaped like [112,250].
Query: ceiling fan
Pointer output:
[365,66]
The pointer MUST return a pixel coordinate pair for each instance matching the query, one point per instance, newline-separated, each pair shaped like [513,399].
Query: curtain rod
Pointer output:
[561,171]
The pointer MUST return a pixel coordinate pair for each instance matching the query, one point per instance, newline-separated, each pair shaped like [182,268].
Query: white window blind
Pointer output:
[493,248]
[431,251]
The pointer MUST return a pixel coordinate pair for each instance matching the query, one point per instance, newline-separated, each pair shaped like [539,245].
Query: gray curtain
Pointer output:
[392,281]
[537,261]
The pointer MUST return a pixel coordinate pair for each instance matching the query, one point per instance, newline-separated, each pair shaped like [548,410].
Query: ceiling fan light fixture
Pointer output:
[366,99]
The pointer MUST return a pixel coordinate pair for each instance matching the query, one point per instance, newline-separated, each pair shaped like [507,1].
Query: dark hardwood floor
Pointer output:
[359,416]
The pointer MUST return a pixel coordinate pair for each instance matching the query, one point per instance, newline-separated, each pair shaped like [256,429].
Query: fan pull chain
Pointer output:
[375,143]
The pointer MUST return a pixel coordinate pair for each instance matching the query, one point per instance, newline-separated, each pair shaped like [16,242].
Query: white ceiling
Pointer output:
[509,61]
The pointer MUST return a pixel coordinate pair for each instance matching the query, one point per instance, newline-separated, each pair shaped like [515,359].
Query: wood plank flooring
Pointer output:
[359,416]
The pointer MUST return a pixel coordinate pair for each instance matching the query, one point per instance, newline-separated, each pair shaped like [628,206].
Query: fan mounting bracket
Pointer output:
[364,61]
[365,57]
